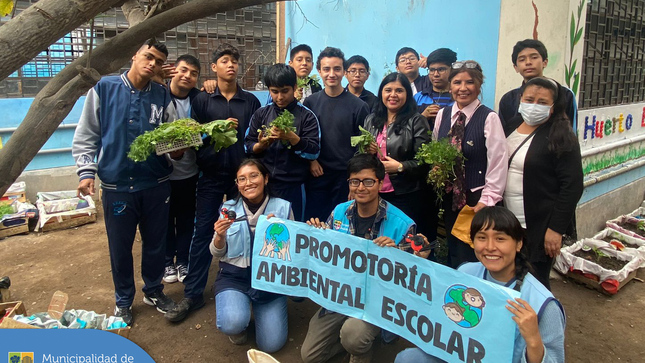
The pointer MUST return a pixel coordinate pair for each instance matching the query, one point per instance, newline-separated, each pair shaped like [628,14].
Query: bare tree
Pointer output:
[57,98]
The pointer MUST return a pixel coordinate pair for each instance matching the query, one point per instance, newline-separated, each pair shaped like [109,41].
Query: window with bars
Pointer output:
[614,53]
[252,30]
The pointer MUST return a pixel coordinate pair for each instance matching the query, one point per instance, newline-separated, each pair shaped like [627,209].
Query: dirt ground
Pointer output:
[599,328]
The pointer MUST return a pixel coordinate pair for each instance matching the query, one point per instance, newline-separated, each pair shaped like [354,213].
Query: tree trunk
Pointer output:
[51,105]
[42,24]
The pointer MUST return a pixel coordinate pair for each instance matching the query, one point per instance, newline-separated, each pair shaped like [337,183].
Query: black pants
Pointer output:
[415,205]
[181,220]
[291,192]
[123,212]
[542,269]
[458,251]
[324,193]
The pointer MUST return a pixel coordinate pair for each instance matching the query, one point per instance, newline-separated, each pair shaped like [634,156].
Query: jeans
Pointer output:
[416,355]
[181,222]
[234,314]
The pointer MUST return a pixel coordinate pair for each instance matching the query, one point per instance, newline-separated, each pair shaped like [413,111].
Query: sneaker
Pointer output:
[125,314]
[182,271]
[170,274]
[238,339]
[181,310]
[159,300]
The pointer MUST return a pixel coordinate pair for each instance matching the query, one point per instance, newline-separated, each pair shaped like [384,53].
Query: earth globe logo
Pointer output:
[276,242]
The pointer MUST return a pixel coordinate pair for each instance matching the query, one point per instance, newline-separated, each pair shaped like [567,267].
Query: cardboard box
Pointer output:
[10,197]
[55,212]
[14,226]
[55,310]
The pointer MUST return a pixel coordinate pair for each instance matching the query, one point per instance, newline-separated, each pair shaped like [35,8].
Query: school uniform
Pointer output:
[288,165]
[217,178]
[367,97]
[339,118]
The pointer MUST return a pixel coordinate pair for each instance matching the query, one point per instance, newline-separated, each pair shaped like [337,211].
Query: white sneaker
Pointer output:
[182,271]
[170,274]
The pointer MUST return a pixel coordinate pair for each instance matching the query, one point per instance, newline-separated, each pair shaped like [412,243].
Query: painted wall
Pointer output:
[378,29]
[553,29]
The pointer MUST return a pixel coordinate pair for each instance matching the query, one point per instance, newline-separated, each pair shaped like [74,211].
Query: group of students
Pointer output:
[313,174]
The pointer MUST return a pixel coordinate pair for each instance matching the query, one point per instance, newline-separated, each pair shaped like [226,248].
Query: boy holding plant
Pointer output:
[302,61]
[286,136]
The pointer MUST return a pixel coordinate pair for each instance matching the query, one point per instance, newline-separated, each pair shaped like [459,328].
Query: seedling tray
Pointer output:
[166,147]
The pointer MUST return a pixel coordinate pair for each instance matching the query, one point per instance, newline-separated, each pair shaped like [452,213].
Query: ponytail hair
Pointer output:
[502,220]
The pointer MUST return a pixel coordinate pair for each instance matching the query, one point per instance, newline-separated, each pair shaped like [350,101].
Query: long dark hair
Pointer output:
[503,220]
[409,107]
[561,136]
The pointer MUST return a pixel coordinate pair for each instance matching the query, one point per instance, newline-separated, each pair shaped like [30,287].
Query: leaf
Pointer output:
[572,30]
[6,7]
[362,141]
[575,83]
[578,36]
[573,68]
[580,7]
[567,75]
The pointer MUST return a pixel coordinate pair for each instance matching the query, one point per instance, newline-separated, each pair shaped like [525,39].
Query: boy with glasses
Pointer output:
[430,100]
[367,216]
[407,62]
[357,72]
[529,58]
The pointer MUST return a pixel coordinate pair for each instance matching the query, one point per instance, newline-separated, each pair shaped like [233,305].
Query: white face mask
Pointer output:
[534,114]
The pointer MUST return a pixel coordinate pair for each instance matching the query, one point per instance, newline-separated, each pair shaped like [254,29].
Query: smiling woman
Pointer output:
[477,132]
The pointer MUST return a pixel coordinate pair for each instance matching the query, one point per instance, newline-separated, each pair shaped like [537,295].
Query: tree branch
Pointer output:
[51,105]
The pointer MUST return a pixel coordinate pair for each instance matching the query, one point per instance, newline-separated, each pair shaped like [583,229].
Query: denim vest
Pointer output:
[394,225]
[239,238]
[473,145]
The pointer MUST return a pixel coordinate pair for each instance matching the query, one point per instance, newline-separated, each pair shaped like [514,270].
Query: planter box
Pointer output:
[622,237]
[13,226]
[59,210]
[591,273]
[616,225]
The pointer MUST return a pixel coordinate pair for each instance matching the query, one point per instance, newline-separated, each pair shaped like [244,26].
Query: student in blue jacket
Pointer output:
[232,244]
[285,154]
[498,240]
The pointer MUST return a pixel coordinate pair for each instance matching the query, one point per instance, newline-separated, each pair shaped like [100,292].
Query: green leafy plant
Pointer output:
[599,253]
[5,208]
[575,34]
[303,82]
[363,141]
[443,158]
[283,122]
[641,225]
[182,131]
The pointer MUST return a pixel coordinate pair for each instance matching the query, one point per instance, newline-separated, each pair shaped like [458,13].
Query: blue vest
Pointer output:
[395,225]
[473,145]
[239,239]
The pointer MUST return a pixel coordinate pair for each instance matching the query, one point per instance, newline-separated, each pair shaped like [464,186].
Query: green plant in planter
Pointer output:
[641,225]
[442,157]
[599,253]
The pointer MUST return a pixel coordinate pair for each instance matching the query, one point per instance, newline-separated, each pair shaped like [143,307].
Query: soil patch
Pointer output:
[632,227]
[608,262]
[627,244]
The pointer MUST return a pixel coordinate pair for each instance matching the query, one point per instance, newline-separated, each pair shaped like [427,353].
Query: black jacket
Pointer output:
[402,147]
[552,188]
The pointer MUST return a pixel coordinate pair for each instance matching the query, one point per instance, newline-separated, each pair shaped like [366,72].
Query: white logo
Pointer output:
[156,114]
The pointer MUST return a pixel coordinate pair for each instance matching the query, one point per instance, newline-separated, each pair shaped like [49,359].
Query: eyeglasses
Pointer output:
[368,183]
[252,178]
[360,72]
[440,70]
[467,64]
[410,59]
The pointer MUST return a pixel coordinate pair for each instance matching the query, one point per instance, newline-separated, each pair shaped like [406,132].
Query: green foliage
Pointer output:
[303,82]
[599,253]
[284,122]
[443,158]
[5,208]
[182,131]
[641,225]
[572,77]
[608,161]
[6,7]
[362,141]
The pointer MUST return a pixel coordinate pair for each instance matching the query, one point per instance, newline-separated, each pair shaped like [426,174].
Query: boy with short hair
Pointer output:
[367,216]
[529,58]
[117,110]
[407,62]
[438,96]
[183,180]
[339,114]
[218,169]
[286,155]
[357,72]
[302,61]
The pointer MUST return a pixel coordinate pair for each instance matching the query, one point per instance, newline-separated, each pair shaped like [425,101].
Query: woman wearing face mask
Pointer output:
[545,179]
[477,131]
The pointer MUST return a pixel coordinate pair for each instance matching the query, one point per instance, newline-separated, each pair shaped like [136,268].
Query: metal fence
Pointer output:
[252,30]
[614,53]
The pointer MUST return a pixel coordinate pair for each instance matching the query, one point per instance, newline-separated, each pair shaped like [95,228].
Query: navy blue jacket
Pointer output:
[288,165]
